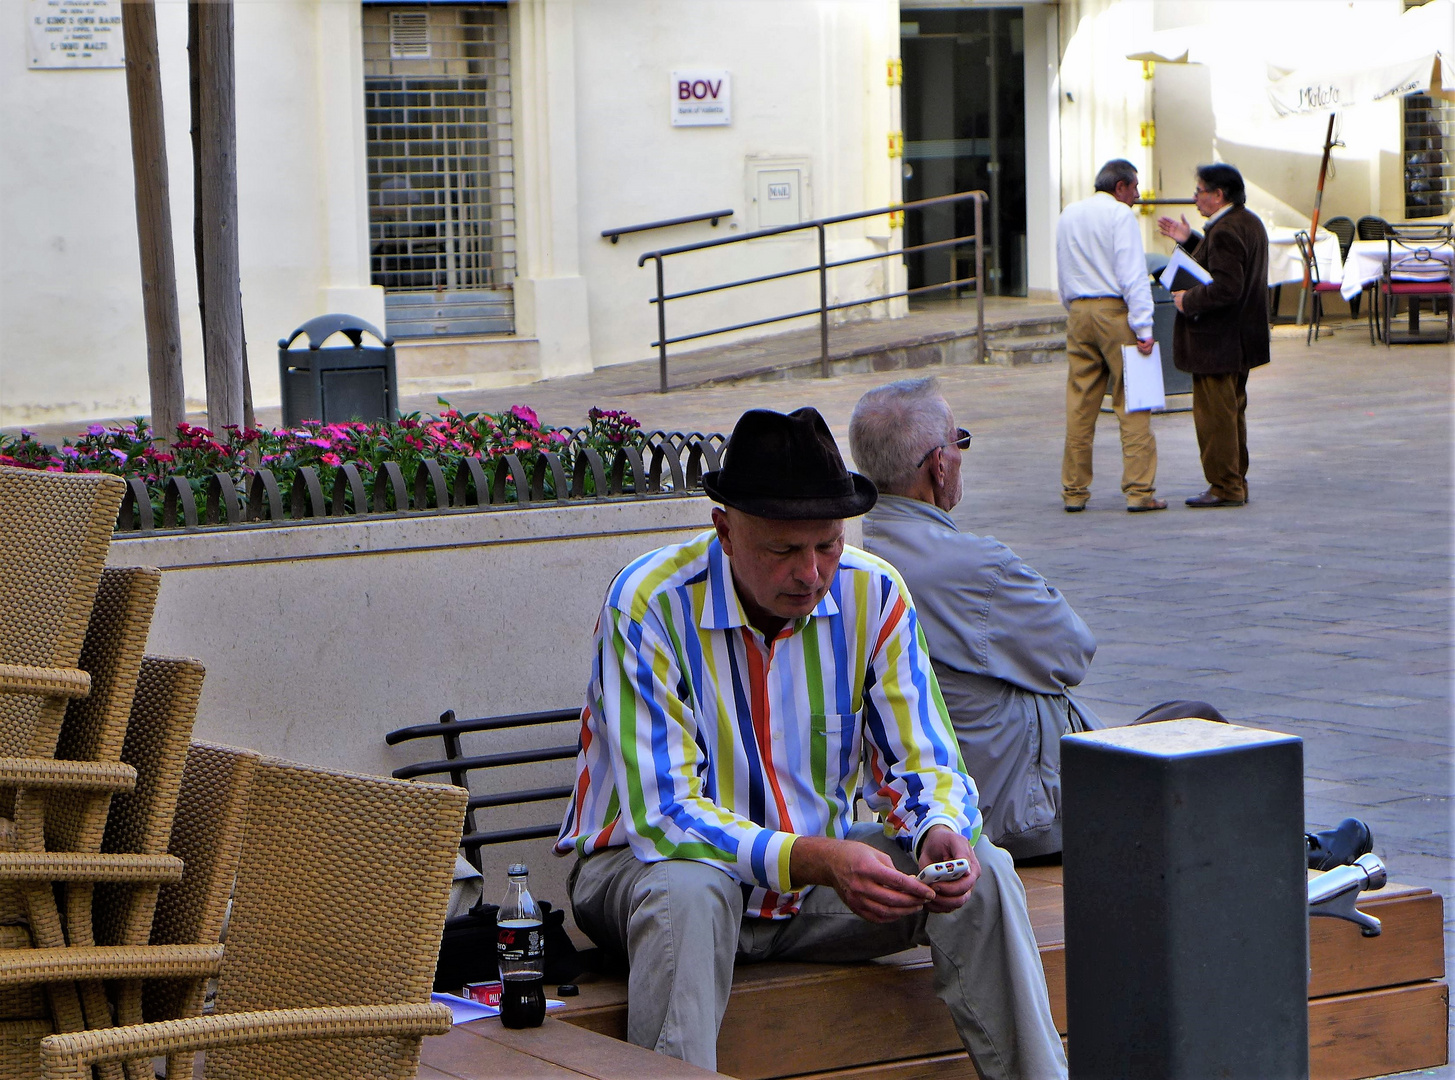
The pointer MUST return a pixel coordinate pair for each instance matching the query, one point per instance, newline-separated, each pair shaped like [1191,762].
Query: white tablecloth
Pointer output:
[1286,266]
[1366,263]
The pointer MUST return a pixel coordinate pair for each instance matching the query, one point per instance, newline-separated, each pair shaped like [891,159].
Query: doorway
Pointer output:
[964,110]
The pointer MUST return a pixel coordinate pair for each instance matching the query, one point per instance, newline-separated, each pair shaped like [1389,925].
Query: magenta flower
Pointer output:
[322,444]
[95,429]
[331,459]
[525,414]
[521,444]
[120,455]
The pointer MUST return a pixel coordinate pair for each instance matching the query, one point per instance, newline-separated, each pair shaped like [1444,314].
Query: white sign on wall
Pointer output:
[74,33]
[701,98]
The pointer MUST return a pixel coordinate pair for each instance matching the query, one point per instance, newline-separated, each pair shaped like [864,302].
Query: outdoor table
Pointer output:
[1366,262]
[1285,266]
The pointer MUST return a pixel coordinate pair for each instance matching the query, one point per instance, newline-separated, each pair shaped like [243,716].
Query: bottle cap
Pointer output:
[517,870]
[567,990]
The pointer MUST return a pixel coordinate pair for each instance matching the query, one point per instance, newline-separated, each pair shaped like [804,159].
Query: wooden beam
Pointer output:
[153,217]
[222,298]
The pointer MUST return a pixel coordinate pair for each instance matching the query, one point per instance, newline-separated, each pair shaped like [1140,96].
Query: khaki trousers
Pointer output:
[1096,330]
[680,925]
[1220,416]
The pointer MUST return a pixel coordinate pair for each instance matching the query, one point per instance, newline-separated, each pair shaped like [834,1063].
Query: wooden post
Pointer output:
[1313,228]
[222,297]
[153,217]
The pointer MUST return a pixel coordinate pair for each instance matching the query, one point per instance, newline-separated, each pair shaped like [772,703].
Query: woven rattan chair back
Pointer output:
[207,835]
[54,533]
[340,900]
[141,820]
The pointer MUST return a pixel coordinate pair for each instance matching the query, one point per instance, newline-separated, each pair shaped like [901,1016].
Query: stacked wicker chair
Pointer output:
[331,944]
[117,863]
[58,780]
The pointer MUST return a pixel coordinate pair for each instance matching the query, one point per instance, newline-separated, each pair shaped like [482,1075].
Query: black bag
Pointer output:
[467,949]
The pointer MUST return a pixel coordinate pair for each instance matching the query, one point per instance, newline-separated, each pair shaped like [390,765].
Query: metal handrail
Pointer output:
[822,267]
[712,215]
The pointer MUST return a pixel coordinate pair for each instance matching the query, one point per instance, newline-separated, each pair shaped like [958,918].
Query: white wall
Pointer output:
[72,343]
[809,81]
[1219,110]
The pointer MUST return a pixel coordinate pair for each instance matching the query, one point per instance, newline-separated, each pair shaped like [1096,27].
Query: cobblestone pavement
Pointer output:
[1321,609]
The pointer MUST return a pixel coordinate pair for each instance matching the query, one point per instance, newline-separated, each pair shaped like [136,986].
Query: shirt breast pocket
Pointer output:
[834,750]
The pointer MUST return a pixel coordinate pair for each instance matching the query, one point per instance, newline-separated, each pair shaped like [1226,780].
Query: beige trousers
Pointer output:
[1220,417]
[680,925]
[1096,330]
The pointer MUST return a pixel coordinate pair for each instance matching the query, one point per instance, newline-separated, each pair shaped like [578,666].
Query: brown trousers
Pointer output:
[1096,330]
[1219,413]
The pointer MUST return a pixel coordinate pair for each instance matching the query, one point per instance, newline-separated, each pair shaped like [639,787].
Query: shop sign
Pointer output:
[701,98]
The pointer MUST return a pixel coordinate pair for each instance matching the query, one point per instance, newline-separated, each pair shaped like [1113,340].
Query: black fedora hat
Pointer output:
[787,468]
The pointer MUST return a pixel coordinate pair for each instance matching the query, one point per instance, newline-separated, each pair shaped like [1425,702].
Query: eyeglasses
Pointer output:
[962,440]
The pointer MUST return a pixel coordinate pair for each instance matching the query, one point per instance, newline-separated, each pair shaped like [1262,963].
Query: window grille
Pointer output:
[441,175]
[1429,176]
[408,34]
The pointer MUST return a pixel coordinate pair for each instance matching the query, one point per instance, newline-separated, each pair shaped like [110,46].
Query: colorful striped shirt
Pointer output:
[700,740]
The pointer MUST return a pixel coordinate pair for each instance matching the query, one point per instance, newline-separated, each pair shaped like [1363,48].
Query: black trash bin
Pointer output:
[340,383]
[1164,314]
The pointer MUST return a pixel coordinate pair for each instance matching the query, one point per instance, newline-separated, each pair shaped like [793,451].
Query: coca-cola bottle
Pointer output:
[520,947]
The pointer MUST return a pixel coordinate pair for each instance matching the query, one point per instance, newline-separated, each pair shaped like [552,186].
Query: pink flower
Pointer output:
[560,436]
[521,444]
[95,429]
[120,455]
[322,444]
[331,459]
[525,414]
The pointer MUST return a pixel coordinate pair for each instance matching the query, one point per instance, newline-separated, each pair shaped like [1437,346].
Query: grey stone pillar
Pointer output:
[1186,918]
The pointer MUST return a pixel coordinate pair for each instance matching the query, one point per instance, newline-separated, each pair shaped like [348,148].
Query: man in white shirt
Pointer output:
[1102,277]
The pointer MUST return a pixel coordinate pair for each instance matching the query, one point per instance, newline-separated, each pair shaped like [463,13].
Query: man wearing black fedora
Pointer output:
[746,687]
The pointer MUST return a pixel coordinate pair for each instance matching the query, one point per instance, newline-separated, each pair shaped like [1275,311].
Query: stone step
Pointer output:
[1016,351]
[1010,329]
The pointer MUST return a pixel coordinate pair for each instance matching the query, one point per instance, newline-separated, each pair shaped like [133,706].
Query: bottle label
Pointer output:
[519,941]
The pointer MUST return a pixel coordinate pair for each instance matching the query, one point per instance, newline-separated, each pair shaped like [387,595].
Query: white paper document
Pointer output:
[465,1010]
[1142,379]
[1181,260]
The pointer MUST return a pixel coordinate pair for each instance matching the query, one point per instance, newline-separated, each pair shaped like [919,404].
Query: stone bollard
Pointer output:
[1186,903]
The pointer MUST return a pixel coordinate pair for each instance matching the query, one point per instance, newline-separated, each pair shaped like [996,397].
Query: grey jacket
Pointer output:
[1005,646]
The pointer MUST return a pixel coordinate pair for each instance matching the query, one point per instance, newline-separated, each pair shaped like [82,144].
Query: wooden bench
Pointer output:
[1376,1005]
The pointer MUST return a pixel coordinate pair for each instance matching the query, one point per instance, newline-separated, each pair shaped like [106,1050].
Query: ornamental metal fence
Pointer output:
[662,464]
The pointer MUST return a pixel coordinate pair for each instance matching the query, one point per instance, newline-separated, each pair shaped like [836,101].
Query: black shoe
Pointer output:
[1339,846]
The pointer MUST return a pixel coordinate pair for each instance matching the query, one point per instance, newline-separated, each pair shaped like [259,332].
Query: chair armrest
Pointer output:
[28,967]
[57,682]
[59,773]
[70,1056]
[82,866]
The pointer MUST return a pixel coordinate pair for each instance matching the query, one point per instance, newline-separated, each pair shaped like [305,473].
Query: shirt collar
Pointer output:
[1219,214]
[723,609]
[898,505]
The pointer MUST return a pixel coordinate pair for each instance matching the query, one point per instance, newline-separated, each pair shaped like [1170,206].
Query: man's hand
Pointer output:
[1178,230]
[1177,298]
[864,877]
[941,844]
[1144,346]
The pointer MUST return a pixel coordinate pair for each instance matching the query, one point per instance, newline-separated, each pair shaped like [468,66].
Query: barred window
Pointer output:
[440,160]
[1429,177]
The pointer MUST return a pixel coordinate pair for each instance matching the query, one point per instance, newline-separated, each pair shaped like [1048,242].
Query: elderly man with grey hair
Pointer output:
[1005,644]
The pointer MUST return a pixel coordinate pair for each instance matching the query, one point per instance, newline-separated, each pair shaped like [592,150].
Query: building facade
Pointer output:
[445,171]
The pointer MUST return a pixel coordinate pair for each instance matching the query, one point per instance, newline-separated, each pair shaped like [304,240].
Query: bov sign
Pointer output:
[701,98]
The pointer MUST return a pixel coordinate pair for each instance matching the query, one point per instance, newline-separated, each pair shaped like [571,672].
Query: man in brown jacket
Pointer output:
[1222,327]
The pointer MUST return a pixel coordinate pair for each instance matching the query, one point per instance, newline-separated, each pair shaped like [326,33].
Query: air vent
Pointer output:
[409,35]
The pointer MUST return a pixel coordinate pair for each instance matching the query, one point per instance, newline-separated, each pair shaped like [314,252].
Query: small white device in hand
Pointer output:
[944,871]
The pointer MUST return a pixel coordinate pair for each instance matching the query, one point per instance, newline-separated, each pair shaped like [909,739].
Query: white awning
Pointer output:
[1311,90]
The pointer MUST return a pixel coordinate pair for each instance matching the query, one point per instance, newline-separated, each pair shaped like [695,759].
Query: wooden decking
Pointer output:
[1377,1005]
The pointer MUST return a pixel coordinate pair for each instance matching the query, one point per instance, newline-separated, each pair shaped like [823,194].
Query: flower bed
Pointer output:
[420,463]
